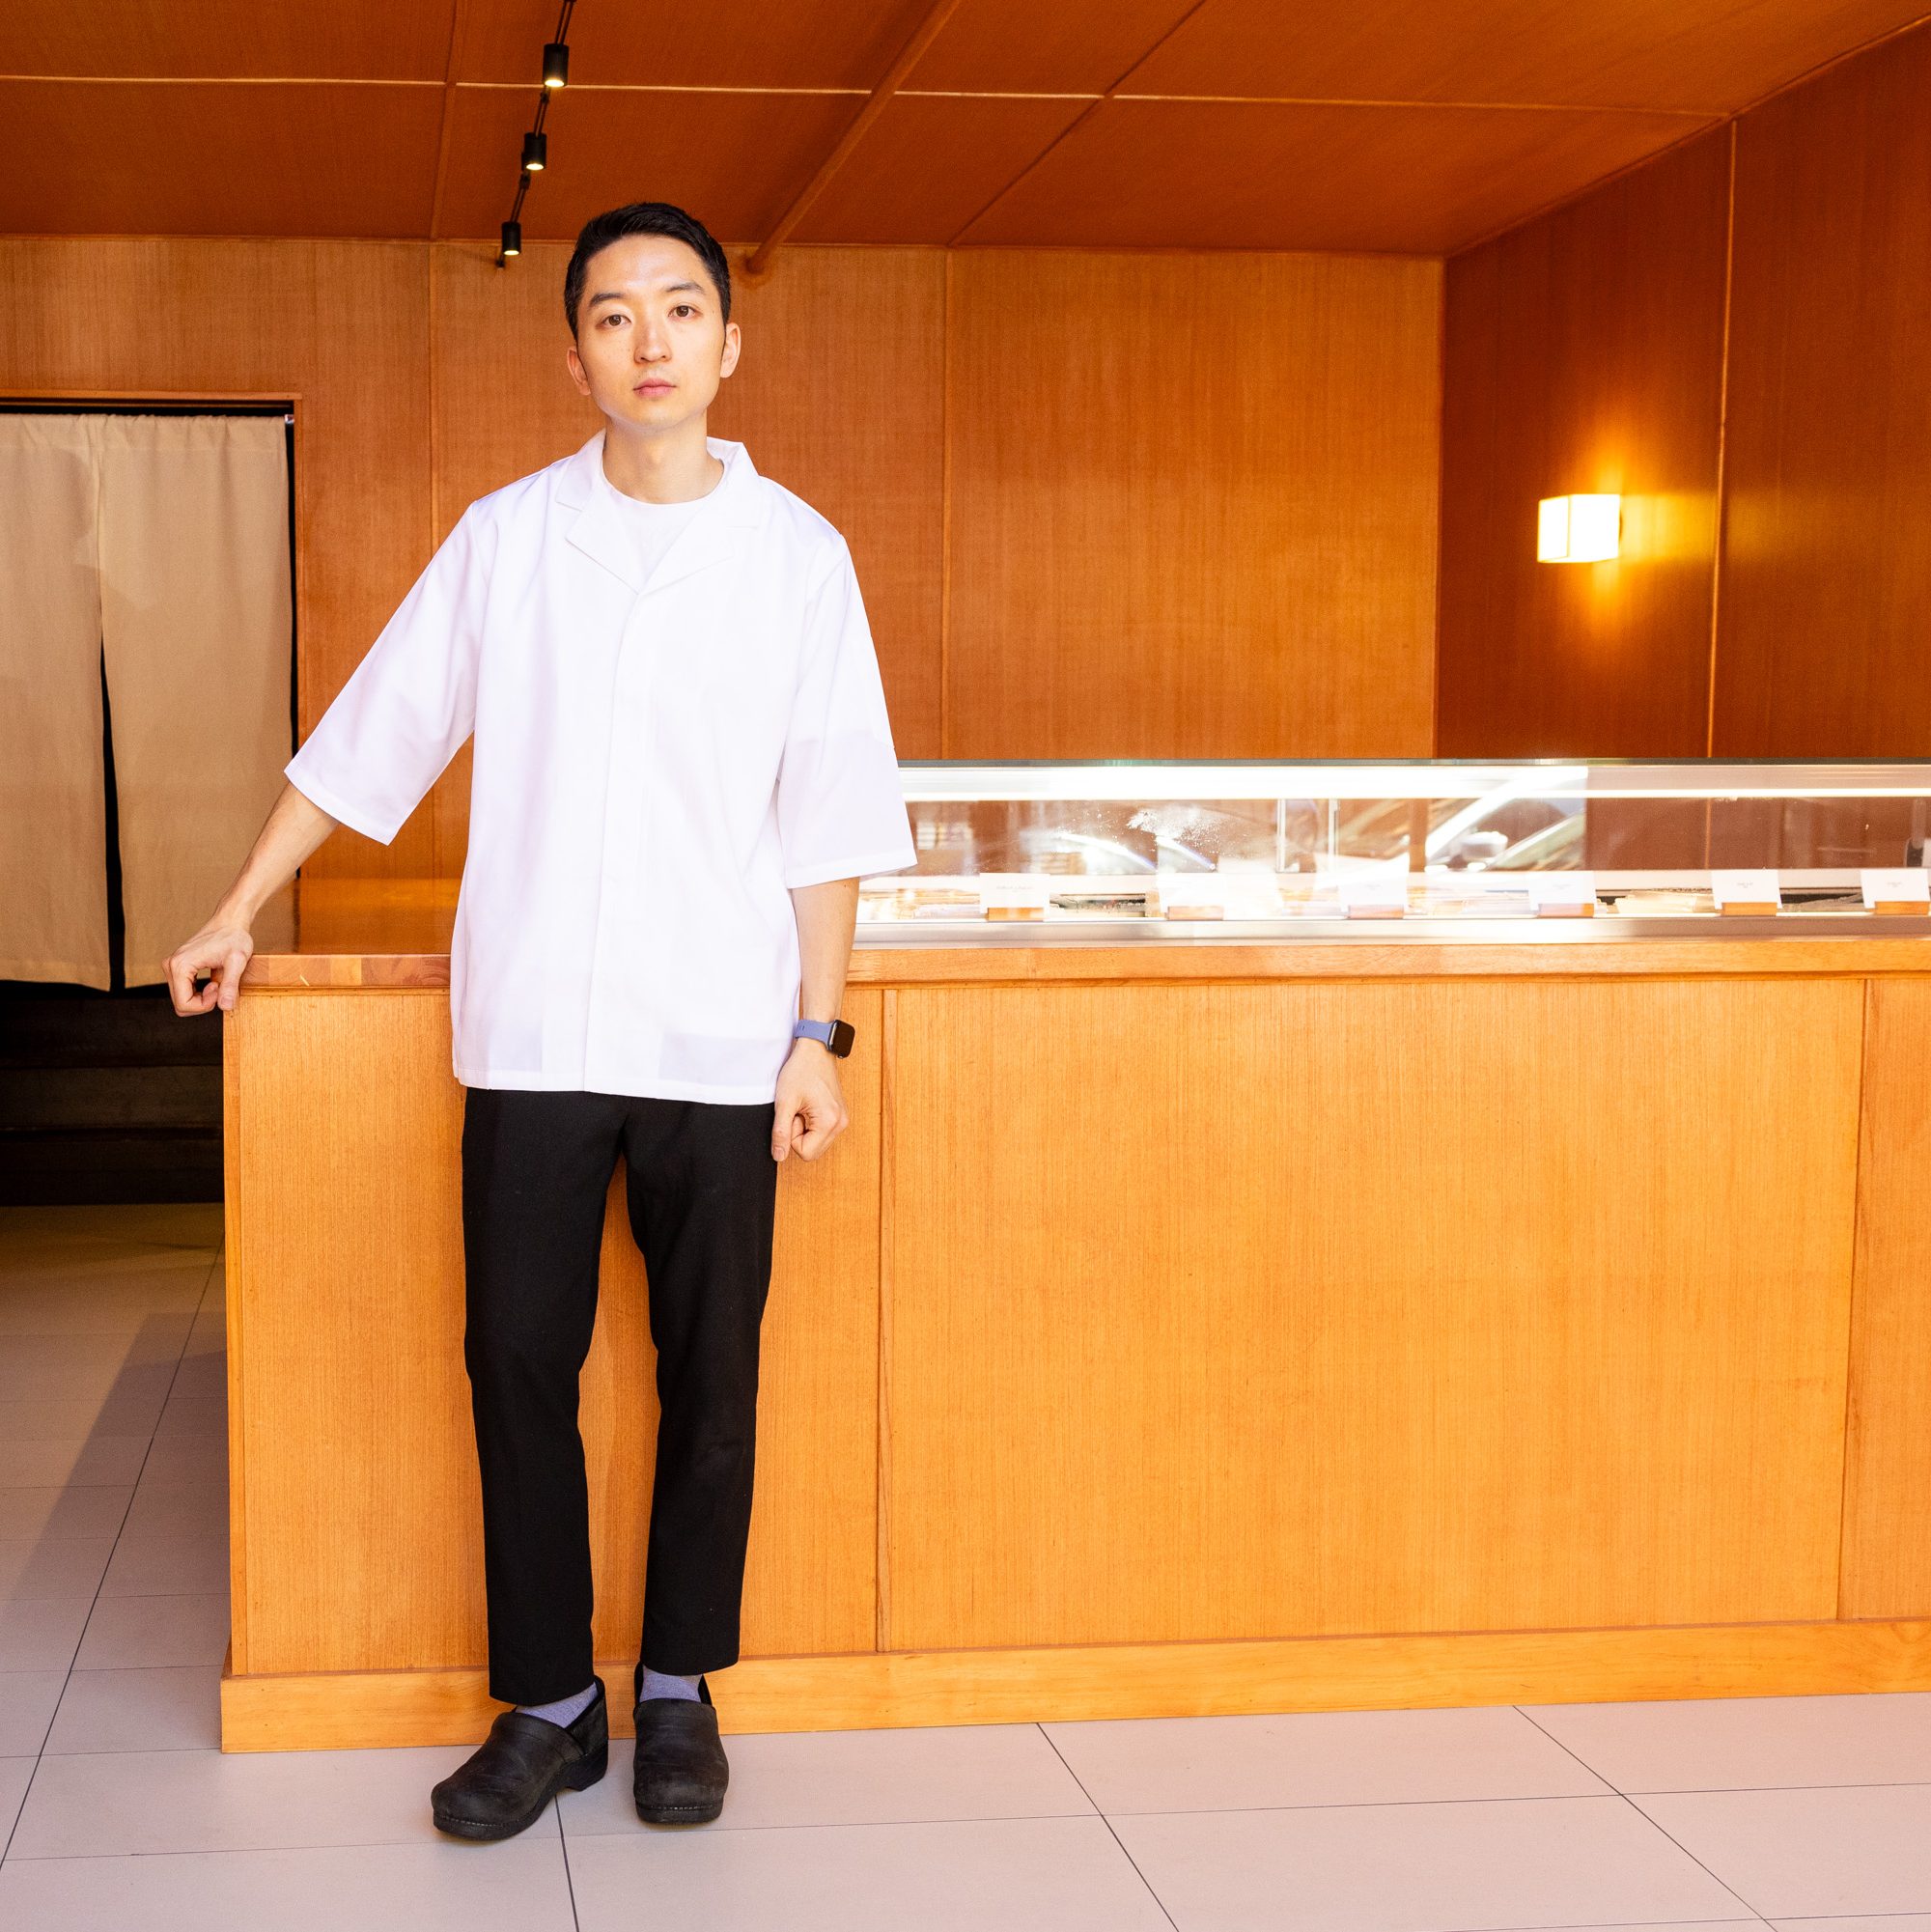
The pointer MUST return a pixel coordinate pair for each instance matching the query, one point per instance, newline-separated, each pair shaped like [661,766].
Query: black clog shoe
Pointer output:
[524,1763]
[680,1770]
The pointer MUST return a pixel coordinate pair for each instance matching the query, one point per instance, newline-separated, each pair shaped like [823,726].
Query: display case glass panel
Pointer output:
[1031,852]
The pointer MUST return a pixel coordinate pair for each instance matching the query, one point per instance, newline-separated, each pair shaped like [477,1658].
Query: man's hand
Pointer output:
[809,1112]
[222,952]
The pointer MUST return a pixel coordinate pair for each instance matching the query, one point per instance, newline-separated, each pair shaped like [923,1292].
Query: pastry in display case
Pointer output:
[1110,851]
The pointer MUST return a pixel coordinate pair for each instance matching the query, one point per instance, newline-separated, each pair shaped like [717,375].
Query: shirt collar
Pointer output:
[710,536]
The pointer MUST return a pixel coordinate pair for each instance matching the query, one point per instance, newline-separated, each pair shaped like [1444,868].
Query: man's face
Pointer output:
[651,345]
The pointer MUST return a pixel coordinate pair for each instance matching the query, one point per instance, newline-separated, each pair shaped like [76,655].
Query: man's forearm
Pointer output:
[827,915]
[292,829]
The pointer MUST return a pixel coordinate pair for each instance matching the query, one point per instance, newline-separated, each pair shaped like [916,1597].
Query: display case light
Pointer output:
[536,153]
[556,65]
[1579,529]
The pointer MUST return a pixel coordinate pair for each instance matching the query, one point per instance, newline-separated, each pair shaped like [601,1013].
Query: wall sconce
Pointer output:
[1579,529]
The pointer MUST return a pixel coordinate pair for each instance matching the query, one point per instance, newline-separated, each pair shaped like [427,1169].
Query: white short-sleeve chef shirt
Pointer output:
[657,761]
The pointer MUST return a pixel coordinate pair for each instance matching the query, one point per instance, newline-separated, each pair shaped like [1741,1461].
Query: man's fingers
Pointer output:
[231,969]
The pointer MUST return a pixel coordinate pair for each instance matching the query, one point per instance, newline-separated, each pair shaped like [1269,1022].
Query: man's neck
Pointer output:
[668,467]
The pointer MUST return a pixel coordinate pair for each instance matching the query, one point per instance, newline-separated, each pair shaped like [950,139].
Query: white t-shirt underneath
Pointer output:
[654,527]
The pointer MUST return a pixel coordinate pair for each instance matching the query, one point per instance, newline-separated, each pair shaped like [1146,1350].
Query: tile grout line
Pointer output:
[66,1680]
[1157,1900]
[1748,1907]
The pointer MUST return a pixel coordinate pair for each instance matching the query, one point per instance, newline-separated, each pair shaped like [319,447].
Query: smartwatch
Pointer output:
[835,1034]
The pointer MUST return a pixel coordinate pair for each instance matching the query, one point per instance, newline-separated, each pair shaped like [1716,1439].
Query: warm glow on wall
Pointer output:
[1579,529]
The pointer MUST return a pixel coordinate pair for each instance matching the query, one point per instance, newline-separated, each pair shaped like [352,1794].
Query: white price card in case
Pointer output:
[1557,892]
[1905,890]
[1746,892]
[1380,894]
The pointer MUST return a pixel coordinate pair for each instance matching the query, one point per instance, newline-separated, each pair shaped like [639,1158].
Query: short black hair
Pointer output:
[644,218]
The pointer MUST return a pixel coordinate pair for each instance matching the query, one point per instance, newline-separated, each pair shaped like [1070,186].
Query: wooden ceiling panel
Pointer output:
[1145,174]
[220,39]
[1706,56]
[734,160]
[930,162]
[217,157]
[1016,47]
[713,43]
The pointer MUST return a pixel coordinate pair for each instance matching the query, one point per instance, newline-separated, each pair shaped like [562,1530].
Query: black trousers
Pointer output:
[702,1191]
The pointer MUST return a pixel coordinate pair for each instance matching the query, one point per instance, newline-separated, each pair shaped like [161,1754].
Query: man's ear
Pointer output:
[574,364]
[733,341]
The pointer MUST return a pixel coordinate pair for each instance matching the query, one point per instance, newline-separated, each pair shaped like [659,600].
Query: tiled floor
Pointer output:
[118,1811]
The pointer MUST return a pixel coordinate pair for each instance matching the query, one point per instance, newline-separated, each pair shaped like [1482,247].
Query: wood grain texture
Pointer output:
[1304,1310]
[1072,1683]
[221,158]
[354,937]
[1827,581]
[734,159]
[351,1430]
[1584,353]
[1186,543]
[1651,53]
[338,327]
[1320,174]
[1887,1475]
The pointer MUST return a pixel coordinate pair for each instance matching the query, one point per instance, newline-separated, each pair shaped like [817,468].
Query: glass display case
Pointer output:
[1119,851]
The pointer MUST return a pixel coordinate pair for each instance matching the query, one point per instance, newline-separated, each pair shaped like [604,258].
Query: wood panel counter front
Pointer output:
[1176,1328]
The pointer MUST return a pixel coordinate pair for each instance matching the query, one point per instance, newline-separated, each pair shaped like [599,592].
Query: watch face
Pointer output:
[841,1037]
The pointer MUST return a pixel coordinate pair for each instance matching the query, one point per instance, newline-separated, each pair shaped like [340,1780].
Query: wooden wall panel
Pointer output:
[341,326]
[1193,503]
[1888,1482]
[1827,580]
[1584,353]
[381,1383]
[1320,1308]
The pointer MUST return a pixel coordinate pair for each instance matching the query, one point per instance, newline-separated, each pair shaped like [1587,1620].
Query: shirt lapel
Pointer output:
[711,537]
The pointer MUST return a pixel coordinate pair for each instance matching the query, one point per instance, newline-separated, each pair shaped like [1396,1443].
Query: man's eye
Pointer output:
[684,309]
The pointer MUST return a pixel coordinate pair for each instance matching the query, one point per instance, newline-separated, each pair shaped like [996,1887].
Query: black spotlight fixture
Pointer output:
[536,143]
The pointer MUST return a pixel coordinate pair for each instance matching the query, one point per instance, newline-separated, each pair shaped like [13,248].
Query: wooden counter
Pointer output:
[1175,1328]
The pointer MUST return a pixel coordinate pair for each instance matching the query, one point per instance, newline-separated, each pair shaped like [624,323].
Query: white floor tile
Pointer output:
[872,1777]
[49,1514]
[27,1701]
[1342,1757]
[207,1801]
[158,1338]
[1420,1867]
[90,1303]
[1841,1850]
[203,1415]
[115,1389]
[54,1459]
[518,1886]
[59,1566]
[149,1566]
[1905,1921]
[41,1632]
[147,1224]
[28,1416]
[181,1461]
[128,1633]
[175,1709]
[1714,1744]
[178,1510]
[1020,1875]
[16,1774]
[202,1375]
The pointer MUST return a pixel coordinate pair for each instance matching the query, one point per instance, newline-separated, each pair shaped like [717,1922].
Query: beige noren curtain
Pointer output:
[161,542]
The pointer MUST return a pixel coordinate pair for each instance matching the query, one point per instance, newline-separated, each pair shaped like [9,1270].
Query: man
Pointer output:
[677,724]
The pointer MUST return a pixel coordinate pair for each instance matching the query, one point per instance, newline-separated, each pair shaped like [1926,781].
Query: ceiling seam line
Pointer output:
[457,20]
[908,56]
[1078,122]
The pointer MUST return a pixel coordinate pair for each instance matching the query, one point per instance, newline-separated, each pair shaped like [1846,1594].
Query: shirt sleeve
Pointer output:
[411,703]
[840,805]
